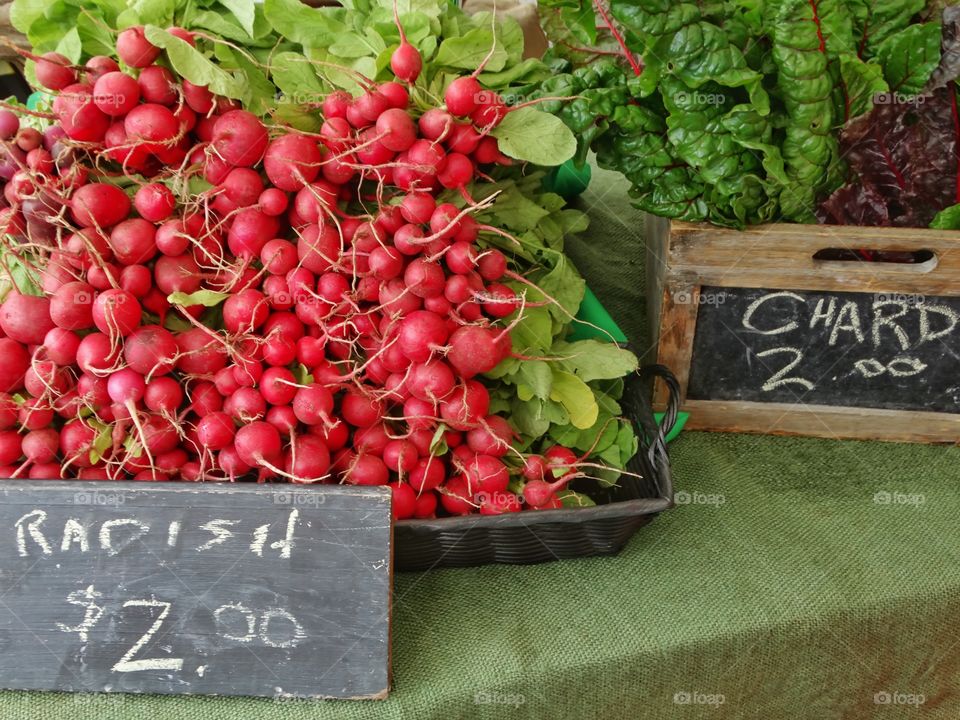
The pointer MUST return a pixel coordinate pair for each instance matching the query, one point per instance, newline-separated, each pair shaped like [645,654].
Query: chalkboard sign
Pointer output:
[872,350]
[280,591]
[836,332]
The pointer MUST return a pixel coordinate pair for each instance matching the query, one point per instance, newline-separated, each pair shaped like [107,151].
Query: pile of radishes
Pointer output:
[309,313]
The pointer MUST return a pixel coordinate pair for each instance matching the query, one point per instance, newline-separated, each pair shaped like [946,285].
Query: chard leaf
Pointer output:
[311,27]
[864,83]
[947,219]
[909,57]
[468,51]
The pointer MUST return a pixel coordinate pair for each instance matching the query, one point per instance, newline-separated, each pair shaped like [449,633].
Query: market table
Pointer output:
[800,579]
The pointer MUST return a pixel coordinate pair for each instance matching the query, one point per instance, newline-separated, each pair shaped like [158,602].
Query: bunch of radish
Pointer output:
[220,299]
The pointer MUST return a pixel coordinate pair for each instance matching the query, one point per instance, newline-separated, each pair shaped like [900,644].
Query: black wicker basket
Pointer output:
[541,536]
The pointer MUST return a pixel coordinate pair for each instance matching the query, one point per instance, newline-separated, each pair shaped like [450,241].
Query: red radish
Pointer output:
[216,430]
[155,202]
[462,94]
[436,124]
[473,350]
[25,318]
[432,381]
[424,279]
[163,394]
[177,274]
[492,265]
[151,123]
[157,85]
[245,311]
[14,362]
[456,172]
[400,456]
[151,351]
[240,138]
[183,34]
[278,386]
[79,117]
[198,98]
[493,438]
[71,307]
[335,104]
[417,207]
[10,447]
[426,505]
[535,467]
[116,312]
[41,446]
[466,406]
[464,138]
[258,443]
[308,459]
[133,241]
[200,353]
[96,354]
[396,94]
[406,63]
[490,110]
[428,474]
[134,49]
[457,497]
[359,410]
[404,500]
[498,503]
[318,248]
[98,66]
[99,205]
[487,474]
[313,404]
[61,346]
[116,94]
[126,386]
[273,201]
[396,129]
[367,470]
[53,71]
[421,334]
[76,442]
[561,460]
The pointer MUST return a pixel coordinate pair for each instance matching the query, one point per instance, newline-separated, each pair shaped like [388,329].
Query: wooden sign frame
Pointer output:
[682,258]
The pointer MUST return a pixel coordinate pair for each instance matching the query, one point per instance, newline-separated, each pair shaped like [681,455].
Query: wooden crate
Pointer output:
[687,263]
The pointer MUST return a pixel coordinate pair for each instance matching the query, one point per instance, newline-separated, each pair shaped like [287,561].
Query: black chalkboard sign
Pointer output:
[230,589]
[871,350]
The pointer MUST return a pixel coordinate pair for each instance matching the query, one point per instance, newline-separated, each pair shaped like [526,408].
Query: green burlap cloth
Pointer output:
[786,588]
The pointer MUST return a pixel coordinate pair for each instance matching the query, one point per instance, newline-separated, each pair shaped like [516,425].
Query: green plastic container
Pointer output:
[568,180]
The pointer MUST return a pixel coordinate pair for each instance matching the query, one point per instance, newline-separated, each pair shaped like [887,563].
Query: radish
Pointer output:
[498,503]
[486,474]
[361,411]
[134,49]
[136,279]
[79,117]
[426,505]
[25,318]
[157,85]
[404,500]
[424,278]
[98,66]
[466,406]
[163,394]
[400,456]
[126,387]
[429,473]
[177,274]
[456,496]
[151,351]
[493,438]
[313,404]
[335,104]
[421,334]
[99,205]
[245,311]
[462,94]
[245,405]
[61,345]
[76,442]
[14,362]
[116,94]
[457,171]
[205,398]
[406,63]
[436,124]
[153,124]
[71,307]
[155,202]
[396,129]
[116,312]
[216,430]
[258,443]
[41,446]
[278,386]
[432,381]
[367,470]
[396,94]
[240,138]
[473,350]
[308,459]
[53,71]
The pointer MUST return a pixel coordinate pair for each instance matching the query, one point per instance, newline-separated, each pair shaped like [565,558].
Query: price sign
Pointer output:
[218,589]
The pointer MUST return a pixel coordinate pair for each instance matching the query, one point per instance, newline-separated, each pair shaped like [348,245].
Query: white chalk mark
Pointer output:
[849,314]
[106,541]
[248,615]
[926,335]
[74,532]
[780,378]
[881,321]
[201,669]
[285,546]
[127,663]
[173,532]
[299,634]
[755,305]
[870,367]
[219,532]
[826,316]
[85,598]
[31,523]
[259,539]
[906,367]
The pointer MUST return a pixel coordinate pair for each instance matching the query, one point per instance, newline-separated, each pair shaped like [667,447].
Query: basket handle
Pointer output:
[658,431]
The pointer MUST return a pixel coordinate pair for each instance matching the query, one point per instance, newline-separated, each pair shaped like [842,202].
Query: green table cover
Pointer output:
[801,579]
